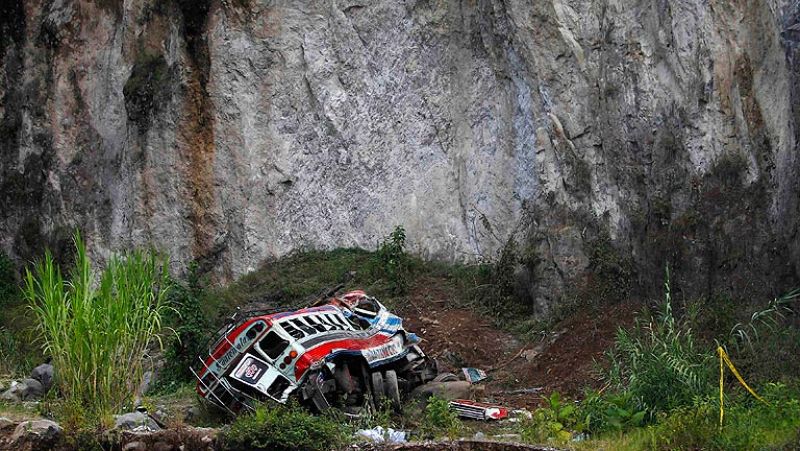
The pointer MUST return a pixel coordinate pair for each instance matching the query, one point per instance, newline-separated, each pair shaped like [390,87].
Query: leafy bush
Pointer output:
[279,428]
[438,420]
[555,422]
[393,261]
[98,333]
[611,412]
[658,362]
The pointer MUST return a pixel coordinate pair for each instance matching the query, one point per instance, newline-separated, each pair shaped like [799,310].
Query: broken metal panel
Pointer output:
[478,410]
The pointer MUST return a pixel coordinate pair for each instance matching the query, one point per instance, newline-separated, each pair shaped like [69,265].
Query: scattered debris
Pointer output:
[445,377]
[346,352]
[380,435]
[474,375]
[6,423]
[518,415]
[478,410]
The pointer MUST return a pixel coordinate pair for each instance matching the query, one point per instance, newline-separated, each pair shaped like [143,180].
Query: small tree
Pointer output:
[394,261]
[97,329]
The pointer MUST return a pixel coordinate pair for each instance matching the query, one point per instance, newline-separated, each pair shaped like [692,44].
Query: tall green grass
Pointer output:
[659,362]
[97,327]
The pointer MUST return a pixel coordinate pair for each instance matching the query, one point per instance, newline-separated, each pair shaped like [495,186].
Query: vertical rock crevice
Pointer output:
[197,135]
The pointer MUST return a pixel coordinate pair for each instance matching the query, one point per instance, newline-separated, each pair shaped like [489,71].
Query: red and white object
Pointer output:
[478,410]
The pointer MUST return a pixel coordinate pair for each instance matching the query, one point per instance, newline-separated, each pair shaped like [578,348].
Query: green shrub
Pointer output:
[97,333]
[615,412]
[556,422]
[439,420]
[393,261]
[191,326]
[280,428]
[659,363]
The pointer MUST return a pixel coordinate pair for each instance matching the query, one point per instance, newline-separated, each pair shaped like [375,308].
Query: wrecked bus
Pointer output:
[347,352]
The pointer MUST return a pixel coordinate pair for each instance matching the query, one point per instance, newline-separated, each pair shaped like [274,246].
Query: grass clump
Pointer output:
[285,428]
[748,425]
[97,333]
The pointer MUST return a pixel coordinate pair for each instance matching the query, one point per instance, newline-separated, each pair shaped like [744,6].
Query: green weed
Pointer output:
[438,420]
[554,423]
[392,261]
[279,428]
[658,362]
[615,412]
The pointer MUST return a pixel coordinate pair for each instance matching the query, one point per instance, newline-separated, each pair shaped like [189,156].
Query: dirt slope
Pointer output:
[519,372]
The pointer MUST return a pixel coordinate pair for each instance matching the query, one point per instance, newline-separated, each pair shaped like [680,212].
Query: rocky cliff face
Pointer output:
[608,137]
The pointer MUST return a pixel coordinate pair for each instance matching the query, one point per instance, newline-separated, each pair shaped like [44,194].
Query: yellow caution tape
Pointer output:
[723,357]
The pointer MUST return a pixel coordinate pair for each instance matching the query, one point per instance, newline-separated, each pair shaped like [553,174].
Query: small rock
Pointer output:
[479,436]
[530,355]
[25,390]
[41,433]
[5,423]
[13,393]
[44,374]
[137,421]
[135,446]
[192,413]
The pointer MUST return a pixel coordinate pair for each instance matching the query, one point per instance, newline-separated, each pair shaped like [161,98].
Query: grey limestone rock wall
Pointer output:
[608,137]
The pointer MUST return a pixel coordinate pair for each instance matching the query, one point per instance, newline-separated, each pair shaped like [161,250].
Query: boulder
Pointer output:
[44,374]
[36,434]
[191,414]
[135,421]
[446,390]
[33,390]
[25,390]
